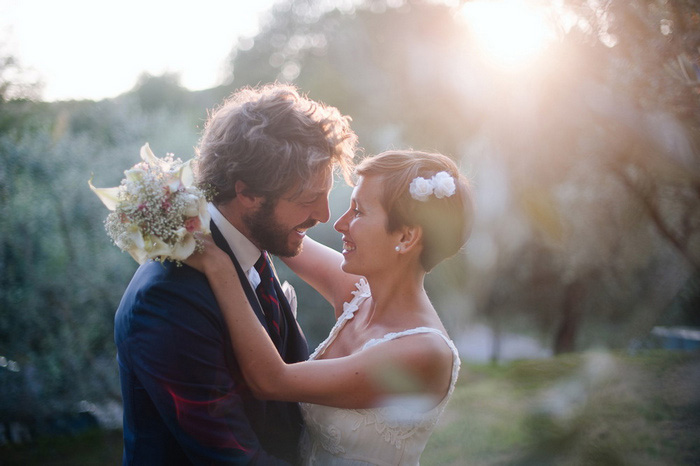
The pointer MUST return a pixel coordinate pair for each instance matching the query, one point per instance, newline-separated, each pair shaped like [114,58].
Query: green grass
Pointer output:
[579,409]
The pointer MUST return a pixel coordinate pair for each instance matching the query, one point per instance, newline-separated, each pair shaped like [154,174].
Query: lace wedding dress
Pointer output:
[392,435]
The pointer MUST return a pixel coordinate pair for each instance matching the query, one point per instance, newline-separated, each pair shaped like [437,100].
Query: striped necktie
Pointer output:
[268,298]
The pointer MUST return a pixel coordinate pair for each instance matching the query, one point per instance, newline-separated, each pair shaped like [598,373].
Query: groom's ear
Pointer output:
[246,196]
[411,237]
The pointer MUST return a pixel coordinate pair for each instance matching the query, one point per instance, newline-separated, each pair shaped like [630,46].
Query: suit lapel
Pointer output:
[291,329]
[249,292]
[295,349]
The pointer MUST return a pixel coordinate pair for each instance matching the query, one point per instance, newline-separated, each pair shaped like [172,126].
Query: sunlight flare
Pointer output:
[508,33]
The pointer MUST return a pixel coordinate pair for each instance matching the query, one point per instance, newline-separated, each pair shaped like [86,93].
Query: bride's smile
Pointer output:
[347,247]
[367,244]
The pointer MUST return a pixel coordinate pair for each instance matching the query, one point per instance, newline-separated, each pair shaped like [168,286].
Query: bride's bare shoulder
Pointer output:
[423,357]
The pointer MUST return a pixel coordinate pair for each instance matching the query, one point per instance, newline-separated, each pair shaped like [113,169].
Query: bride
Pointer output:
[373,391]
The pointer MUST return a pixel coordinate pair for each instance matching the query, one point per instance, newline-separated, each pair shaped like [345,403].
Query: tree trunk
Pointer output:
[495,336]
[565,338]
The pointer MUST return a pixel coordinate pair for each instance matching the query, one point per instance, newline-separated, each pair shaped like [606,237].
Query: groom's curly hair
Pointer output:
[273,139]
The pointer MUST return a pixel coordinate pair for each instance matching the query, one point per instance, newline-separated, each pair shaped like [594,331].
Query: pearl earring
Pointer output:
[398,248]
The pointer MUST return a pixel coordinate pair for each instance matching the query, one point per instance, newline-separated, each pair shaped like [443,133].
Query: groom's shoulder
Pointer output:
[167,271]
[162,305]
[168,290]
[154,277]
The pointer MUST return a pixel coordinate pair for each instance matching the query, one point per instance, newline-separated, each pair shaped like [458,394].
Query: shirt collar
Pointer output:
[245,251]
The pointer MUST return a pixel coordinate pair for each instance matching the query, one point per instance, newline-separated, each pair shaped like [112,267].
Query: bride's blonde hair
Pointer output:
[446,222]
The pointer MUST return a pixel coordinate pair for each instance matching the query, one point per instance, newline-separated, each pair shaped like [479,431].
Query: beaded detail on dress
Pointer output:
[392,434]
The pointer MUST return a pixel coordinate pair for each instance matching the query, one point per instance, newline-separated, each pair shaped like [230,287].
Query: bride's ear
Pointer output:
[410,238]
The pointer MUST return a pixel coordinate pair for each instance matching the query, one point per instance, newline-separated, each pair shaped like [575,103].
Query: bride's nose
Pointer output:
[342,223]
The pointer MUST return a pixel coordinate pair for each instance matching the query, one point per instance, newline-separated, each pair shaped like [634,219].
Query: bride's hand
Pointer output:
[209,256]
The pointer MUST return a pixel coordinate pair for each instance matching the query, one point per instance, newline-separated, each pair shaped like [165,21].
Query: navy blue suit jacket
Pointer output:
[185,400]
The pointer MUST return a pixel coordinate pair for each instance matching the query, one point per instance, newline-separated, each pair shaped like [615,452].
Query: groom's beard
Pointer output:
[271,235]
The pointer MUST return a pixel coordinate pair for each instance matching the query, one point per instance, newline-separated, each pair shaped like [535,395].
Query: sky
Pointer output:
[95,49]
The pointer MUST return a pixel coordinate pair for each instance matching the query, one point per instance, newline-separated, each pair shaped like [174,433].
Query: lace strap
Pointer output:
[456,362]
[362,292]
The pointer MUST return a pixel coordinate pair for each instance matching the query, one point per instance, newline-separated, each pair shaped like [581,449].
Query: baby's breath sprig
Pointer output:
[209,190]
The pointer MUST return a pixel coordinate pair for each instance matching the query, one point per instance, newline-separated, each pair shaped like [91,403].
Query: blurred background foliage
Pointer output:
[584,164]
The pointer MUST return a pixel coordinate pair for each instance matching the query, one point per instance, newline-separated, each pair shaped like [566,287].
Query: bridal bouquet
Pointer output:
[156,210]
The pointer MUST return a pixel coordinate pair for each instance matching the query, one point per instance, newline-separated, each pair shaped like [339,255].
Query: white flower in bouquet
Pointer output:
[156,210]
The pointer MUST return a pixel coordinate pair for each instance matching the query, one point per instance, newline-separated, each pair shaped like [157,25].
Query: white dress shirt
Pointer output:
[245,251]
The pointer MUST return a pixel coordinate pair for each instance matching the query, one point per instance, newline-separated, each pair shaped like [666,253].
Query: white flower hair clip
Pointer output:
[440,185]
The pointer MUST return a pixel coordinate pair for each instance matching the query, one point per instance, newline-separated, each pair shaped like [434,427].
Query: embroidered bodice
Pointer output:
[394,434]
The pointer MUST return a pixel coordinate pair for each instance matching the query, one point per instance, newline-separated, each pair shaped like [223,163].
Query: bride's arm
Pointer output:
[356,381]
[319,266]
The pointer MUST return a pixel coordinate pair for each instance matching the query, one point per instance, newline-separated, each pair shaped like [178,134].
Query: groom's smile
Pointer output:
[301,229]
[280,227]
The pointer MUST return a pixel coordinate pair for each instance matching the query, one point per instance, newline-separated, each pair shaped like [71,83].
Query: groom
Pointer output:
[268,155]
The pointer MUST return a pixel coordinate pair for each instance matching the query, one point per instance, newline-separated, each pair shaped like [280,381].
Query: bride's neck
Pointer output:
[397,292]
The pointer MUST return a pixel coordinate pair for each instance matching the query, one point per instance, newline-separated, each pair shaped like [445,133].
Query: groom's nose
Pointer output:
[322,211]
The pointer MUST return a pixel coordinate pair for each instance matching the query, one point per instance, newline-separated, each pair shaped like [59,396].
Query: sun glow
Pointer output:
[83,49]
[509,33]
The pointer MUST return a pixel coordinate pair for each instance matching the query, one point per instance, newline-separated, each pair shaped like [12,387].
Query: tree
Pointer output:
[604,165]
[590,151]
[61,278]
